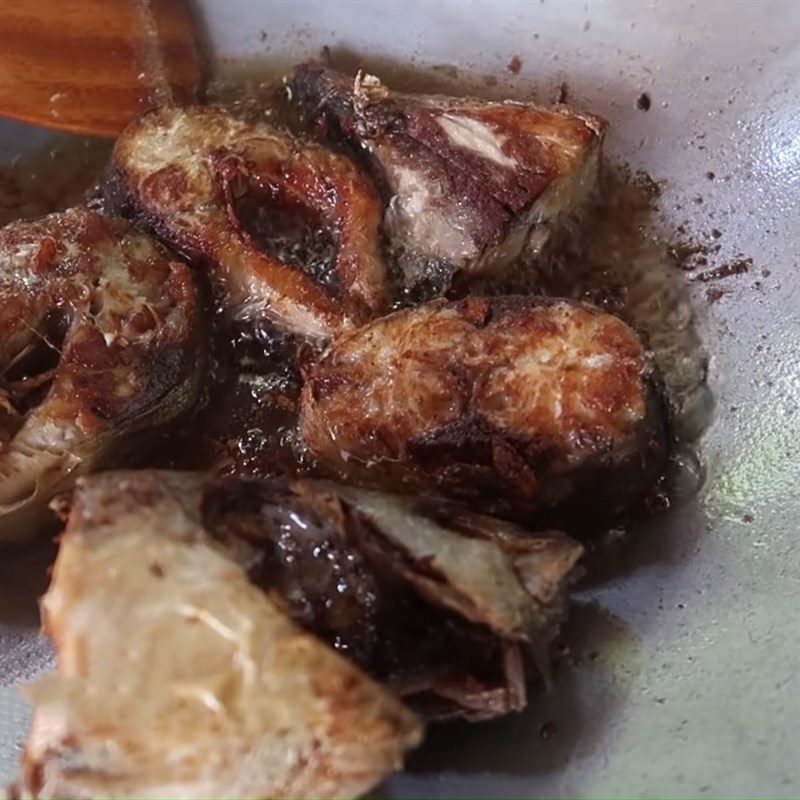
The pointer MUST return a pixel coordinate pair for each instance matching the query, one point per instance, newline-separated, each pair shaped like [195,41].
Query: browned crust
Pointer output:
[187,197]
[449,397]
[100,340]
[75,251]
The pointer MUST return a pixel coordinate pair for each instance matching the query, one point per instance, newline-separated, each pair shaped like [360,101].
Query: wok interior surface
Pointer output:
[682,677]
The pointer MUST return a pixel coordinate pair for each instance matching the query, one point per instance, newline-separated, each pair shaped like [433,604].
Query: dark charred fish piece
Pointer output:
[100,342]
[469,183]
[201,180]
[452,609]
[511,404]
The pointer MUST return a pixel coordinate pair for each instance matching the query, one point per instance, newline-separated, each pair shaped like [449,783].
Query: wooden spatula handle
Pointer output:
[90,66]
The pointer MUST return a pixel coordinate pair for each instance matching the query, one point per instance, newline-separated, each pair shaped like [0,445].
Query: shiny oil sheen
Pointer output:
[683,673]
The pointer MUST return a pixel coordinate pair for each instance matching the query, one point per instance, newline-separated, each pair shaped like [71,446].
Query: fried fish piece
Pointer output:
[469,183]
[177,677]
[454,610]
[512,404]
[194,175]
[100,341]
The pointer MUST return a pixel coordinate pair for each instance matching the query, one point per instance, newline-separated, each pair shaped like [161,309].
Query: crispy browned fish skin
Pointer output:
[511,404]
[179,678]
[472,182]
[181,171]
[99,341]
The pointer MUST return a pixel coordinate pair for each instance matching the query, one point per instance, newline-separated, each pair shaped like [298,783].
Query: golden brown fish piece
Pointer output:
[177,677]
[512,404]
[99,342]
[194,175]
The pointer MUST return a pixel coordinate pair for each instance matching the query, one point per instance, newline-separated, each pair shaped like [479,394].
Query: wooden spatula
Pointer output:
[90,66]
